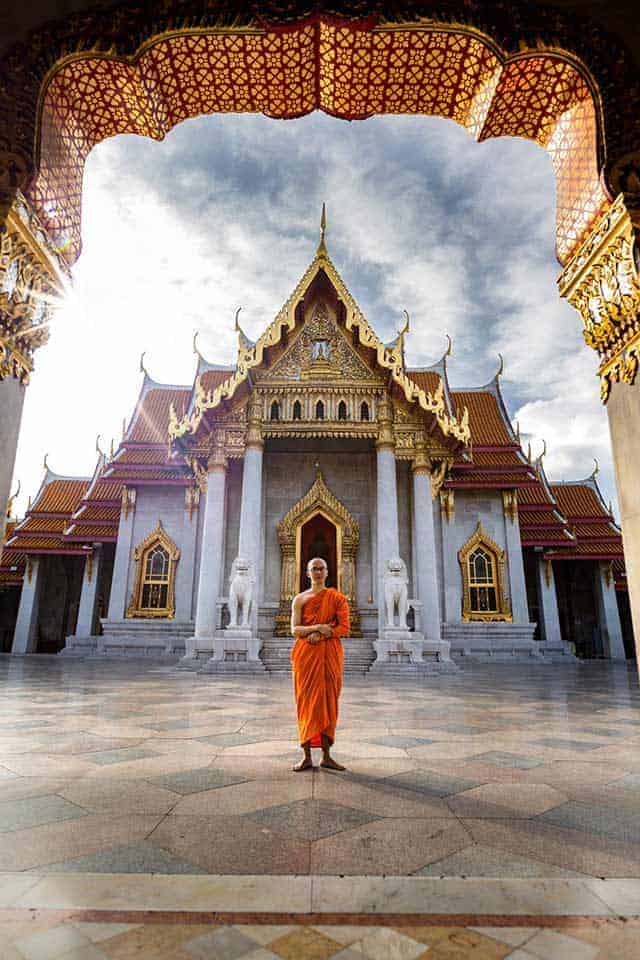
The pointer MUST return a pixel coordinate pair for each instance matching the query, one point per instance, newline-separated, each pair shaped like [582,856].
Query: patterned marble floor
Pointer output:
[114,772]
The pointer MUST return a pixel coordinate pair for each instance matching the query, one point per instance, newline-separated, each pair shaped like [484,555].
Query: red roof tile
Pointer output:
[485,418]
[151,424]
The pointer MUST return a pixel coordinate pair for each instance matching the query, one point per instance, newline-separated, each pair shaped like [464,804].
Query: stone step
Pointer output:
[358,655]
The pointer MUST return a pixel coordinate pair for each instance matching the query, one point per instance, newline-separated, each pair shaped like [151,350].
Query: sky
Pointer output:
[224,213]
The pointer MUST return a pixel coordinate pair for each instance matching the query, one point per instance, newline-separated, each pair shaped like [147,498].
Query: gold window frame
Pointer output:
[158,538]
[503,612]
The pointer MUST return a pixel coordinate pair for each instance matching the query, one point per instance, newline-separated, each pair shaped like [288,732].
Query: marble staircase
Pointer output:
[358,655]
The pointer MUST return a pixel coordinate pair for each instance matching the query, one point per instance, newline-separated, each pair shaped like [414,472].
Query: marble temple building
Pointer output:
[190,540]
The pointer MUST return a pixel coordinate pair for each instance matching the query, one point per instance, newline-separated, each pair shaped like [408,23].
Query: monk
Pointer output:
[319,618]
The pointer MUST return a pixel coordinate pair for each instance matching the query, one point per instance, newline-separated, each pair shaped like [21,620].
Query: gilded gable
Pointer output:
[320,352]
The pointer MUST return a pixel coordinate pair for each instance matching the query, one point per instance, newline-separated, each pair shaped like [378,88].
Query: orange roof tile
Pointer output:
[106,490]
[485,419]
[88,531]
[136,455]
[427,380]
[577,500]
[60,496]
[151,424]
[43,525]
[211,379]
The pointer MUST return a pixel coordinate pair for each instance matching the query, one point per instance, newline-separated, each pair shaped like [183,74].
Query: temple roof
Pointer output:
[42,530]
[213,388]
[597,536]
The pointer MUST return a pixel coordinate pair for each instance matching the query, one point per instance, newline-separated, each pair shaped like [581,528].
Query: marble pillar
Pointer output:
[89,594]
[608,613]
[623,409]
[550,632]
[251,510]
[186,565]
[25,637]
[451,574]
[11,402]
[425,576]
[118,599]
[211,560]
[388,543]
[515,565]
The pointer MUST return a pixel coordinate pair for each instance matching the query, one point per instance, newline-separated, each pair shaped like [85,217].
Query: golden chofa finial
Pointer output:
[596,469]
[544,450]
[45,465]
[195,345]
[407,324]
[500,370]
[98,449]
[124,426]
[449,349]
[517,423]
[237,327]
[322,249]
[112,449]
[143,369]
[11,500]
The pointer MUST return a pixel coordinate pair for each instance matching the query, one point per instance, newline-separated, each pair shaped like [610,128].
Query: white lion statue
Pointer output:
[240,592]
[395,593]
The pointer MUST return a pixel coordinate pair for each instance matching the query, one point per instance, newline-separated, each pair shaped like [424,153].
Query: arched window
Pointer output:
[297,410]
[319,410]
[274,413]
[482,563]
[364,410]
[342,410]
[156,559]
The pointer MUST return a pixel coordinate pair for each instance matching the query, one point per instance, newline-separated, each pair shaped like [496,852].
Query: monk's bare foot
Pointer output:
[305,764]
[330,764]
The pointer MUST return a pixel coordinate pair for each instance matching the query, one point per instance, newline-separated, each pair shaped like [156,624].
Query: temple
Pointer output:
[191,538]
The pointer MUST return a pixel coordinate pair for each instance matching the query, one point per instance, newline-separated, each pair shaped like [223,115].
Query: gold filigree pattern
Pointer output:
[347,70]
[490,583]
[510,504]
[318,499]
[602,283]
[154,593]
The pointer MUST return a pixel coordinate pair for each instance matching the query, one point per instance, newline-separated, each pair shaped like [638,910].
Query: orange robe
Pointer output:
[317,668]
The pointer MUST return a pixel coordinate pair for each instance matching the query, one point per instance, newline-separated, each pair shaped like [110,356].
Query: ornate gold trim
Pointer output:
[448,504]
[128,501]
[158,537]
[601,281]
[510,504]
[439,475]
[482,538]
[388,357]
[318,499]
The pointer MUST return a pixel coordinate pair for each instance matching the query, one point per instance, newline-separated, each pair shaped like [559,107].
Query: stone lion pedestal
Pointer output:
[235,650]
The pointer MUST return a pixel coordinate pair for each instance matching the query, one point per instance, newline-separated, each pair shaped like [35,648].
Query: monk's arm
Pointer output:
[342,627]
[297,629]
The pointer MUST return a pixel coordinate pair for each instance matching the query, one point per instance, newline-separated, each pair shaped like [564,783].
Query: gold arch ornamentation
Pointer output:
[502,605]
[167,609]
[318,499]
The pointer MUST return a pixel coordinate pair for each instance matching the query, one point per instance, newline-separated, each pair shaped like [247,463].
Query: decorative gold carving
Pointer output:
[439,475]
[601,281]
[387,358]
[385,423]
[89,566]
[318,499]
[128,501]
[510,504]
[199,473]
[607,572]
[421,462]
[548,573]
[191,500]
[448,504]
[493,585]
[254,420]
[157,589]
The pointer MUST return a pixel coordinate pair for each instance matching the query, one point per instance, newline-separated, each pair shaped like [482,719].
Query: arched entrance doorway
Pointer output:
[319,538]
[556,79]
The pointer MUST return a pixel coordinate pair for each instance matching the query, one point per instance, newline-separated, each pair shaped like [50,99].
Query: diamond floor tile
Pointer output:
[310,819]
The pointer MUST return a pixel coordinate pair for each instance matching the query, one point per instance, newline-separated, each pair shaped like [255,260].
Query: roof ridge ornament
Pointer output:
[196,334]
[407,324]
[596,470]
[11,500]
[98,448]
[322,247]
[500,369]
[45,464]
[540,456]
[143,369]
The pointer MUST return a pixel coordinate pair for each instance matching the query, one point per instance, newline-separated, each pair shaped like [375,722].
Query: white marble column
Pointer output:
[250,534]
[211,559]
[388,543]
[425,576]
[452,576]
[25,637]
[548,603]
[122,562]
[608,613]
[186,564]
[515,562]
[89,594]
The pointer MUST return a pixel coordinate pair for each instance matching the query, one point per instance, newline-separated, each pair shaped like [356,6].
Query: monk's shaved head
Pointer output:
[317,560]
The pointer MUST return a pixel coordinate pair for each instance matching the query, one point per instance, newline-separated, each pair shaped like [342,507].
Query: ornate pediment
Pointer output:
[320,353]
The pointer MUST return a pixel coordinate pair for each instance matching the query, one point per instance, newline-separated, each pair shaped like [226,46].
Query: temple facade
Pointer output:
[192,537]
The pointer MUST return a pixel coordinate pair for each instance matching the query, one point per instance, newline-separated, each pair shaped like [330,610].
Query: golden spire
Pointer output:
[322,249]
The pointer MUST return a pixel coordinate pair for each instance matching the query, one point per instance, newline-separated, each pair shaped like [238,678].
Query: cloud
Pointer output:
[225,213]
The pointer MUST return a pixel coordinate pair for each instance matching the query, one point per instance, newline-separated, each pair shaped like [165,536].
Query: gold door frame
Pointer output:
[318,499]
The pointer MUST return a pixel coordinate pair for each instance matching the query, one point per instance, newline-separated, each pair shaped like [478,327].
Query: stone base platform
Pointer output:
[492,641]
[133,638]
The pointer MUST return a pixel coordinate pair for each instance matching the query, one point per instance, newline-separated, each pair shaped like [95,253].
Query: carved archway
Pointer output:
[154,592]
[318,500]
